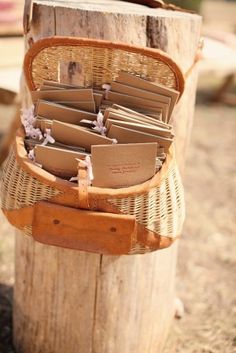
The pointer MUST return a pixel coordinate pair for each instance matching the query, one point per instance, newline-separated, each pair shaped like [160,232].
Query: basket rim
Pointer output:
[56,41]
[68,187]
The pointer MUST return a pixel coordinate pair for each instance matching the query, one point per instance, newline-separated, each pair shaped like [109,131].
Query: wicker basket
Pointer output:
[132,220]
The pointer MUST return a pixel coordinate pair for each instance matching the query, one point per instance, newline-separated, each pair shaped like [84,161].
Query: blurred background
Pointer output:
[206,274]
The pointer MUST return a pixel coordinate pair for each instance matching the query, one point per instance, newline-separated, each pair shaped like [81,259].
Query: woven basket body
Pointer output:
[151,213]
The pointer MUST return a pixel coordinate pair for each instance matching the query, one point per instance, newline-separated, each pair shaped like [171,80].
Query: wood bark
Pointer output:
[70,301]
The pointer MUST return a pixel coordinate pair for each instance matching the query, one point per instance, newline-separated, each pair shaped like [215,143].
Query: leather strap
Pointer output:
[197,58]
[27,16]
[149,3]
[83,185]
[99,232]
[159,4]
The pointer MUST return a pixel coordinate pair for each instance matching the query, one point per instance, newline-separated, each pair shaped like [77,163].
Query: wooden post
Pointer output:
[70,301]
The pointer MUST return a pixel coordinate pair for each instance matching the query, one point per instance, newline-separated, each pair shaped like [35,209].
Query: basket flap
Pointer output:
[97,62]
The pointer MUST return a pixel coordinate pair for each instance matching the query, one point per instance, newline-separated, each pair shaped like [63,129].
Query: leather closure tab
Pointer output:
[97,232]
[83,185]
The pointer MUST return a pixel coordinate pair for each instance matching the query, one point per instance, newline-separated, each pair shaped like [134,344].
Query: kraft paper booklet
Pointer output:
[116,115]
[98,97]
[157,115]
[77,136]
[141,103]
[131,103]
[52,85]
[50,110]
[137,115]
[31,143]
[153,130]
[127,118]
[55,84]
[85,106]
[119,114]
[60,162]
[143,110]
[49,88]
[141,93]
[124,135]
[70,95]
[138,82]
[133,164]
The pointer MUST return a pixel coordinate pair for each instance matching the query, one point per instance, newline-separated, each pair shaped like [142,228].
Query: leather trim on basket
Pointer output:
[78,229]
[83,187]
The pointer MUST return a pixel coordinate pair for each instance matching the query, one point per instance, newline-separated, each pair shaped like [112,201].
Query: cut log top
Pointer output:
[177,33]
[118,7]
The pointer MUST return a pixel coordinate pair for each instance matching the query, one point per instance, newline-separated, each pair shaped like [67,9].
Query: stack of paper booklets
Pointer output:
[124,128]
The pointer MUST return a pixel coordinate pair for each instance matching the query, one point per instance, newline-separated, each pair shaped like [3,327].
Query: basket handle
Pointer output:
[159,4]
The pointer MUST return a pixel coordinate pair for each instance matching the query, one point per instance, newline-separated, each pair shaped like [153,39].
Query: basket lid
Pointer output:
[99,62]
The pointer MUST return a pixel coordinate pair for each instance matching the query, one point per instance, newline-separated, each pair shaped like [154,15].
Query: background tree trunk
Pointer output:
[67,301]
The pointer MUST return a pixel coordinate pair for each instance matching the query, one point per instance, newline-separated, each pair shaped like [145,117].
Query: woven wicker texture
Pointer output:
[19,189]
[160,210]
[99,65]
[99,61]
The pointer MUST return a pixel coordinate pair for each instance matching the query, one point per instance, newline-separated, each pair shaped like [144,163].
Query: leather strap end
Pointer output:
[83,185]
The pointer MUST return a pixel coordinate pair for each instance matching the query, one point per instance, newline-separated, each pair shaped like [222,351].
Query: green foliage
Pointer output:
[193,5]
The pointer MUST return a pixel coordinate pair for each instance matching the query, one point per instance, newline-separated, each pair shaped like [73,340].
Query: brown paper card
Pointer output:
[130,115]
[148,112]
[133,164]
[61,85]
[49,88]
[144,104]
[31,143]
[70,95]
[141,93]
[132,112]
[85,106]
[98,97]
[124,135]
[152,130]
[57,161]
[77,136]
[121,116]
[141,83]
[53,111]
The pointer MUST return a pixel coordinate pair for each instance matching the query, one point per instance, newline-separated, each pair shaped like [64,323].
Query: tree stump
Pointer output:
[68,301]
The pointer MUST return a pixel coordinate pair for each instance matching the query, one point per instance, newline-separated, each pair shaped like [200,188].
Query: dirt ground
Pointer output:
[206,269]
[206,275]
